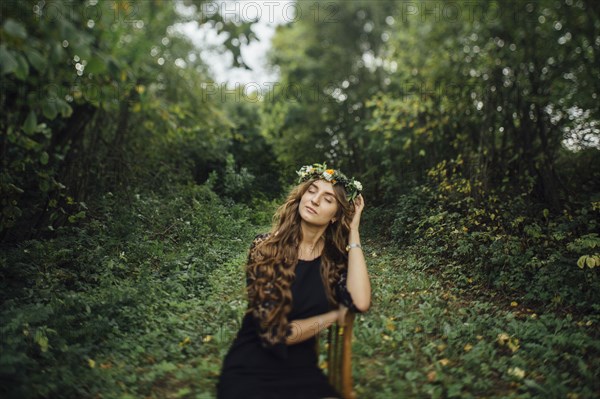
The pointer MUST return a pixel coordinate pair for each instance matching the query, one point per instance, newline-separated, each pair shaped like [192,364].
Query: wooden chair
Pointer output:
[339,356]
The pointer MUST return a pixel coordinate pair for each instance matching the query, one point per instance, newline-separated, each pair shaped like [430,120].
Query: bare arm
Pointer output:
[358,282]
[303,329]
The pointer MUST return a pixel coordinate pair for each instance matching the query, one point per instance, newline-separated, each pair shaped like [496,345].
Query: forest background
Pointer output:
[132,184]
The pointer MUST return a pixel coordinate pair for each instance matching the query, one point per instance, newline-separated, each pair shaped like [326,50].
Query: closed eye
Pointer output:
[312,189]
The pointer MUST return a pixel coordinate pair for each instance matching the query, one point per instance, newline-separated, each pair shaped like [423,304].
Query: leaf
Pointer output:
[64,108]
[22,70]
[44,158]
[7,60]
[581,261]
[454,390]
[15,188]
[78,215]
[30,124]
[81,44]
[57,52]
[14,29]
[96,65]
[166,367]
[533,384]
[49,108]
[44,186]
[412,375]
[41,339]
[36,60]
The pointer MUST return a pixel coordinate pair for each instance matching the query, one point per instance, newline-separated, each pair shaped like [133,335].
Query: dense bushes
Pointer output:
[503,242]
[104,295]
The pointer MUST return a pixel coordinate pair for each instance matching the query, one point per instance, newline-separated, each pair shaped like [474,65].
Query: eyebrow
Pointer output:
[326,192]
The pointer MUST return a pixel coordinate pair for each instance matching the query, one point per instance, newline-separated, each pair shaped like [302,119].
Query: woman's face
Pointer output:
[318,205]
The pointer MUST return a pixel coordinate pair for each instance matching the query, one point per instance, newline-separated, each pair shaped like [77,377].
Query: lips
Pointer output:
[311,210]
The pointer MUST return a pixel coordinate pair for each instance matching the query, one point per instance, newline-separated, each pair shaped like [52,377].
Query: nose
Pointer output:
[314,198]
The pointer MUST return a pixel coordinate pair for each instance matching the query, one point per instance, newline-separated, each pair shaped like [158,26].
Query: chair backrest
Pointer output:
[339,356]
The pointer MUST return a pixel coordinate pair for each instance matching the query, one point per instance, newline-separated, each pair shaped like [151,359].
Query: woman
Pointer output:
[301,277]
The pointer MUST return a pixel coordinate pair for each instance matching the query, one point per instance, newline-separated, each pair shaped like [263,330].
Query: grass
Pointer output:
[424,337]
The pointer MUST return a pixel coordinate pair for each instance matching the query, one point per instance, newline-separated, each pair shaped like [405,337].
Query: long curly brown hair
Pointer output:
[271,263]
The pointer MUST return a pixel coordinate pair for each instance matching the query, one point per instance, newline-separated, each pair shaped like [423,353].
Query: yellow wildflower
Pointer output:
[513,344]
[503,338]
[390,325]
[516,372]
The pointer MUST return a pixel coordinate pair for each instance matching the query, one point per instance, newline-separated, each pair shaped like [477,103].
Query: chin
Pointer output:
[309,219]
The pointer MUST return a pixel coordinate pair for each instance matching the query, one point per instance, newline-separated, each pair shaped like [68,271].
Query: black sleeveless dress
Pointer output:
[251,371]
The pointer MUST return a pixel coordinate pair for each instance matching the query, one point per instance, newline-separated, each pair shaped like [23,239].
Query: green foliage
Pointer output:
[391,90]
[314,113]
[117,306]
[427,337]
[250,149]
[475,139]
[237,185]
[502,242]
[101,97]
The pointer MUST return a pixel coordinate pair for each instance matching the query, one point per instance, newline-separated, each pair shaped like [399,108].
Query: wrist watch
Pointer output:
[350,246]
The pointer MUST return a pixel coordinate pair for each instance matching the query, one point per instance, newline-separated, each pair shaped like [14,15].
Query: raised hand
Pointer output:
[359,205]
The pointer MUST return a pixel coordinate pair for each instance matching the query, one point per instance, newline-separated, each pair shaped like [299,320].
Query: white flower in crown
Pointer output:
[328,176]
[304,171]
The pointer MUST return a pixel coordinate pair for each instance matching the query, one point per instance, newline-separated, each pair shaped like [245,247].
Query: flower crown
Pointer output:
[353,187]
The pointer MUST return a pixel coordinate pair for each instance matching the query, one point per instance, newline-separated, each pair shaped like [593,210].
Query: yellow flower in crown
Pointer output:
[320,171]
